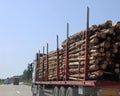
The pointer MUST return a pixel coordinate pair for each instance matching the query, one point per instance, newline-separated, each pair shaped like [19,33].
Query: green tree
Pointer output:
[27,74]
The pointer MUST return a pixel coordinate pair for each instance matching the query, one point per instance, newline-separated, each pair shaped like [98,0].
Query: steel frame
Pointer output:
[92,83]
[47,64]
[57,59]
[67,53]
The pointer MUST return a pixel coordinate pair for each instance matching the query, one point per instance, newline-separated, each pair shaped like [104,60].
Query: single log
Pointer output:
[107,54]
[117,26]
[104,66]
[97,34]
[117,65]
[94,51]
[74,55]
[106,25]
[73,66]
[72,78]
[108,38]
[97,51]
[117,70]
[101,50]
[82,58]
[93,67]
[94,41]
[97,73]
[115,50]
[76,70]
[94,61]
[109,31]
[116,45]
[92,76]
[96,54]
[73,63]
[74,51]
[102,54]
[54,57]
[105,44]
[81,62]
[74,59]
[76,75]
[102,35]
[94,28]
[108,73]
[98,58]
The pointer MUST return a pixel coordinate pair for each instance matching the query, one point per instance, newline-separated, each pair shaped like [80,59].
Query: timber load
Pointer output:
[103,56]
[103,53]
[53,59]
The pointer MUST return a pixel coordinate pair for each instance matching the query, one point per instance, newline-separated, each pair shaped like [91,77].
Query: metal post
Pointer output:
[57,58]
[86,45]
[47,64]
[67,53]
[36,61]
[43,64]
[38,64]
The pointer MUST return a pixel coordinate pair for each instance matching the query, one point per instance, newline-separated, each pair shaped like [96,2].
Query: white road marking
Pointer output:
[18,92]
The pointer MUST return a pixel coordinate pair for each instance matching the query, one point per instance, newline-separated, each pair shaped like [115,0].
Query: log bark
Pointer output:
[93,67]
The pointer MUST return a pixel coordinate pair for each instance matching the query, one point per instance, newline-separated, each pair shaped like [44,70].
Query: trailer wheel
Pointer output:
[34,90]
[34,95]
[56,91]
[38,92]
[62,91]
[69,92]
[41,91]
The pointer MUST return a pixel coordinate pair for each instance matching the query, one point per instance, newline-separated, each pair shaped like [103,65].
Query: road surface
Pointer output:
[15,90]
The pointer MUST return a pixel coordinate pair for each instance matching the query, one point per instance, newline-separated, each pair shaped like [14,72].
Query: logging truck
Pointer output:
[15,80]
[88,64]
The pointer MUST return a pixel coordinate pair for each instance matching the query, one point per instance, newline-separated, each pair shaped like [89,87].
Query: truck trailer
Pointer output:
[16,80]
[88,64]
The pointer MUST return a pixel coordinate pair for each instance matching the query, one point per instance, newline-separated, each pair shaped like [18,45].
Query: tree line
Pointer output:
[26,77]
[27,73]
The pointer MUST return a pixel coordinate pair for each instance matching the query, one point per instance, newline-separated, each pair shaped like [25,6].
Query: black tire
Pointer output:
[33,94]
[55,91]
[34,91]
[69,92]
[62,91]
[40,92]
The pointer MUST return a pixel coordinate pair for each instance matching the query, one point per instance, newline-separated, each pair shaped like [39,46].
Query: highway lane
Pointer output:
[15,90]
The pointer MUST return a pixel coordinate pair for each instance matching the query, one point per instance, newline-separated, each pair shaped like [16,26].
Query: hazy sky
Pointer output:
[27,25]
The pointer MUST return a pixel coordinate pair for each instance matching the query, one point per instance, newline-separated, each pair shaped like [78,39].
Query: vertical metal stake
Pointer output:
[57,58]
[86,46]
[67,53]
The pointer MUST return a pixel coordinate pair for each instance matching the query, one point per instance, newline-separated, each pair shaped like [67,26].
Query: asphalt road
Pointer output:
[15,90]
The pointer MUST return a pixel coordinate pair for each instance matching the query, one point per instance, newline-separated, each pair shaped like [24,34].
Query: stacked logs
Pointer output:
[52,60]
[104,53]
[103,56]
[39,69]
[55,59]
